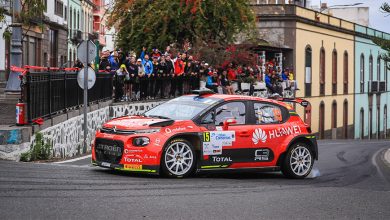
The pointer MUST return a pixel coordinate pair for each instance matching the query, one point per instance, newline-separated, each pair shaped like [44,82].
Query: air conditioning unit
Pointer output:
[373,86]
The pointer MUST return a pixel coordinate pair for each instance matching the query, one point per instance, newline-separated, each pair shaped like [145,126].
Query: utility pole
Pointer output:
[13,83]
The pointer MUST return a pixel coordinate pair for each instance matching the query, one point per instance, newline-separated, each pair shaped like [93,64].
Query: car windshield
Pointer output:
[182,108]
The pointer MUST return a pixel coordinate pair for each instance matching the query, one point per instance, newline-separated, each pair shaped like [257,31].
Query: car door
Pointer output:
[227,148]
[270,131]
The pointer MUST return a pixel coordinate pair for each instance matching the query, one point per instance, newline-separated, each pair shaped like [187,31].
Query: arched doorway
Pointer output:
[321,127]
[345,119]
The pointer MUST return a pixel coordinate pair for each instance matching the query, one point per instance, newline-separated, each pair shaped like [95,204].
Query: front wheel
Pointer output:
[298,161]
[179,158]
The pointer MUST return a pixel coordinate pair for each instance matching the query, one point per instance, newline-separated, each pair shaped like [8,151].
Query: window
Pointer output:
[268,114]
[308,64]
[345,119]
[235,110]
[378,69]
[322,121]
[45,5]
[70,18]
[371,66]
[361,123]
[334,72]
[53,43]
[322,71]
[78,20]
[65,13]
[59,8]
[334,114]
[362,68]
[385,122]
[385,69]
[345,73]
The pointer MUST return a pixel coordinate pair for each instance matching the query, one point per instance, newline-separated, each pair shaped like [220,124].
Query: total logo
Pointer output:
[133,160]
[222,159]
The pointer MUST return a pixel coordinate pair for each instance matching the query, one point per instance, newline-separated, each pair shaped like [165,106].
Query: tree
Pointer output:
[202,24]
[30,15]
[384,43]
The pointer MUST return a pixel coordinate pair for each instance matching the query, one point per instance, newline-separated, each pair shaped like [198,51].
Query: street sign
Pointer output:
[91,78]
[86,51]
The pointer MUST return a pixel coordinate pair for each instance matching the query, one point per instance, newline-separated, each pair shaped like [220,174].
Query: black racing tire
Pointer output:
[178,159]
[298,161]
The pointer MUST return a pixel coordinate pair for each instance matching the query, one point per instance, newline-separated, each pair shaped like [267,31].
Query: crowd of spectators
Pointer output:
[162,74]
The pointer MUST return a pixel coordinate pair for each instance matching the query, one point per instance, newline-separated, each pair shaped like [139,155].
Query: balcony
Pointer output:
[382,86]
[373,86]
[76,36]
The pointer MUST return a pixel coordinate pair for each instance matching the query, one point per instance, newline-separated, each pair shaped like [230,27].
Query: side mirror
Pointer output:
[228,122]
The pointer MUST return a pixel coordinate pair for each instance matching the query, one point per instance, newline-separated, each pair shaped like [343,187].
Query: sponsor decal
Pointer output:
[259,135]
[262,155]
[219,136]
[219,128]
[157,142]
[221,159]
[133,160]
[169,130]
[127,151]
[149,157]
[132,167]
[284,131]
[211,149]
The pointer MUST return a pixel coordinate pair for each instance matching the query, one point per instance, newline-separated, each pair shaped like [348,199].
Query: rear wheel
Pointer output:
[298,161]
[179,158]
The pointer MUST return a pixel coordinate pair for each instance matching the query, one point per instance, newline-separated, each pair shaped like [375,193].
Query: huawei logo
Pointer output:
[259,135]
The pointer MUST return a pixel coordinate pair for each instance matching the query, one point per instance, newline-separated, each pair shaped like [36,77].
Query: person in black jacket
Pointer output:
[160,77]
[132,68]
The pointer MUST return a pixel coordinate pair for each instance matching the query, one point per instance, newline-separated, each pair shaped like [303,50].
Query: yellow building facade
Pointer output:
[320,49]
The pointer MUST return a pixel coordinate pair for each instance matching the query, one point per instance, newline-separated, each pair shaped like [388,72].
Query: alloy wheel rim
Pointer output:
[179,158]
[300,161]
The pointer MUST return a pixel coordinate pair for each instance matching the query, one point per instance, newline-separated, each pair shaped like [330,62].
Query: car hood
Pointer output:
[137,123]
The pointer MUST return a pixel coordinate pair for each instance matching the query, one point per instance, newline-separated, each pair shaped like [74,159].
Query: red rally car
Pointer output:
[209,132]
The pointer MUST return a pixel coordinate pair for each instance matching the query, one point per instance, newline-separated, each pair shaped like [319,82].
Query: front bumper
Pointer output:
[129,167]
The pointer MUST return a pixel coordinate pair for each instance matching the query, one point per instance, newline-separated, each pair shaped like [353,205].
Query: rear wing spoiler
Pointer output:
[304,103]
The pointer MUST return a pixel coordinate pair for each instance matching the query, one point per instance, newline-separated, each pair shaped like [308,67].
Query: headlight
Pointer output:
[141,141]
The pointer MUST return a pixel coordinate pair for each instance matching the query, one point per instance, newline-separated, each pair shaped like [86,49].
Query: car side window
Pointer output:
[267,113]
[209,118]
[231,110]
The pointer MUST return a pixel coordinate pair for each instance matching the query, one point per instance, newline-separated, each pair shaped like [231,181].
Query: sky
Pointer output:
[378,20]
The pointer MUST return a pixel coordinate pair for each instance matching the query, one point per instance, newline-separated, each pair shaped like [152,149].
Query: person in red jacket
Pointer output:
[179,71]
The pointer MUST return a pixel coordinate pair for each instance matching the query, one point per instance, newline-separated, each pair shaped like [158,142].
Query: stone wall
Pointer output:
[67,137]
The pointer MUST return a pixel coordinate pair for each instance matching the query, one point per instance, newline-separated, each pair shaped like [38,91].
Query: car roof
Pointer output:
[243,98]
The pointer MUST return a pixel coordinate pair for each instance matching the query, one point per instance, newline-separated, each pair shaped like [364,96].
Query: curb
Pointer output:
[386,157]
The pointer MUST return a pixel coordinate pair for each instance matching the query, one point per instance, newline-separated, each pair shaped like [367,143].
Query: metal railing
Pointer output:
[52,92]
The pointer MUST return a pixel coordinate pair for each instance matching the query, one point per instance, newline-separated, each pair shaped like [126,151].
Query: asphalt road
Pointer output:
[352,182]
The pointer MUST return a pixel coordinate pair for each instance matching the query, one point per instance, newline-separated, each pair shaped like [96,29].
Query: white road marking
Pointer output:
[73,160]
